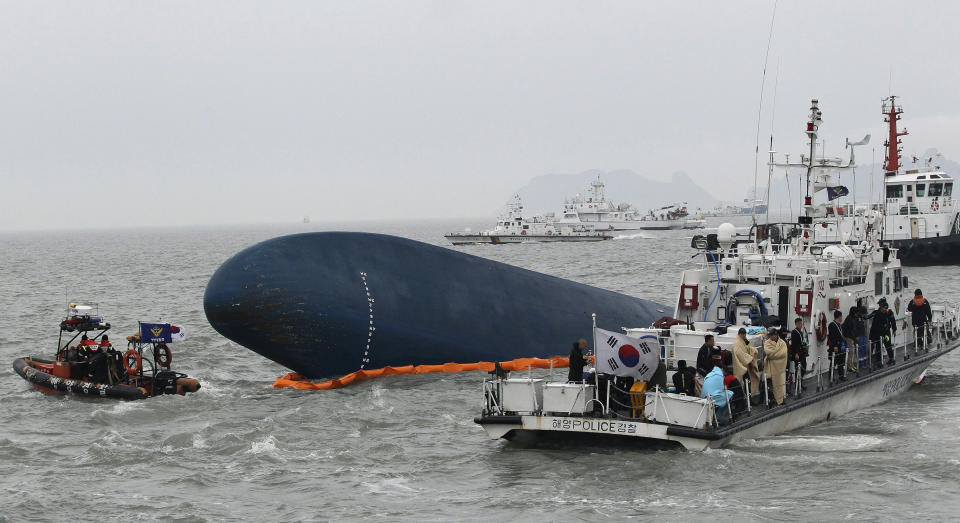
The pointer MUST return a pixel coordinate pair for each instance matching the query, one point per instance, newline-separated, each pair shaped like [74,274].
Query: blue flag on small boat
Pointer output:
[155,333]
[835,192]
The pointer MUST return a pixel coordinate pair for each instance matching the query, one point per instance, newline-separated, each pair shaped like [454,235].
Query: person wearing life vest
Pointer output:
[835,343]
[883,328]
[87,347]
[920,315]
[114,360]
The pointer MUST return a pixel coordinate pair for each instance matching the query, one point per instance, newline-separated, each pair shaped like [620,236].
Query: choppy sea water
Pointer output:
[405,447]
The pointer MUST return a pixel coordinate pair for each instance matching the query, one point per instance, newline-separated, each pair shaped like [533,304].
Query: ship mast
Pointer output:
[892,113]
[813,125]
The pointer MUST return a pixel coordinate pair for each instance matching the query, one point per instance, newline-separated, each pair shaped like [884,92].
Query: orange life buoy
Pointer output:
[162,355]
[934,205]
[523,233]
[821,327]
[132,362]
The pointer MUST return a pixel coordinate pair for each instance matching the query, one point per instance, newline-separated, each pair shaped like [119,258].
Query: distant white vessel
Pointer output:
[512,227]
[594,209]
[670,217]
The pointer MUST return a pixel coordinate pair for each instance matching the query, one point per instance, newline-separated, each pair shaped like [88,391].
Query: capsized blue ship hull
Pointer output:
[330,303]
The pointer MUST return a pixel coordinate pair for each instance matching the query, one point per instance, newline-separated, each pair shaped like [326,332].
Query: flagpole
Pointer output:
[596,366]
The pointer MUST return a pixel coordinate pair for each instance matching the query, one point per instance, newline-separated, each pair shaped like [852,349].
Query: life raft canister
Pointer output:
[132,362]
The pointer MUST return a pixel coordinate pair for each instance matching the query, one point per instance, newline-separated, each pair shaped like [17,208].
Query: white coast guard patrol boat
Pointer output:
[776,273]
[596,211]
[512,227]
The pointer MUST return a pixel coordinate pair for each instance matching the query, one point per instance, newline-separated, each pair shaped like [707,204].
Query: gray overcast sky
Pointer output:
[155,113]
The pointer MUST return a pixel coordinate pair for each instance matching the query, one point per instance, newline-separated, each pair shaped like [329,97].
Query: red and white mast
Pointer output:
[892,113]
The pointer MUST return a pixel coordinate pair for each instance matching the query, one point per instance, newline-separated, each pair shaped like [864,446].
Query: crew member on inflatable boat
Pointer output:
[87,347]
[775,363]
[577,361]
[745,361]
[883,328]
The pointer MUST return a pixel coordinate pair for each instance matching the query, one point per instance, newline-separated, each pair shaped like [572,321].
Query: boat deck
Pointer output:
[904,358]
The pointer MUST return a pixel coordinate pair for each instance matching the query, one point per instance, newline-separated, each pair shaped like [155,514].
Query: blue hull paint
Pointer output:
[312,301]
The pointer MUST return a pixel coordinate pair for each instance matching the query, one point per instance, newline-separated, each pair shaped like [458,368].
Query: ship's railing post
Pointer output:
[797,378]
[729,403]
[766,390]
[606,408]
[833,356]
[533,391]
[746,392]
[819,375]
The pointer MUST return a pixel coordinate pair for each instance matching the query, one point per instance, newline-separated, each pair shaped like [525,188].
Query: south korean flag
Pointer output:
[621,355]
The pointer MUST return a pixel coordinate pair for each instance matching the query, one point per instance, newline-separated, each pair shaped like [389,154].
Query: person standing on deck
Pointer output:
[882,330]
[705,360]
[850,336]
[799,348]
[835,343]
[920,316]
[745,361]
[577,361]
[775,364]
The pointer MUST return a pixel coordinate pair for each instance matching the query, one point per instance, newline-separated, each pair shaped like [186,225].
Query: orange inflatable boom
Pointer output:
[298,382]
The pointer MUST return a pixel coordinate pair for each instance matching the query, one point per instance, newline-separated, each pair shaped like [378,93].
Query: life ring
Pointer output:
[821,327]
[524,233]
[162,355]
[132,362]
[934,206]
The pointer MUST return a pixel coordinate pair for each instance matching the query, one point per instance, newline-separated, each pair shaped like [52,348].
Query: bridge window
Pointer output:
[936,189]
[921,188]
[947,189]
[894,191]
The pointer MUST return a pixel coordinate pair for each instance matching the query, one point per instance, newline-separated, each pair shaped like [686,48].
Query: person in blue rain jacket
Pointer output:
[713,387]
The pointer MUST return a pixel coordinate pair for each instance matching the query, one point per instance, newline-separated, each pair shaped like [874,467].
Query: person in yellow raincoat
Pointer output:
[745,361]
[775,364]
